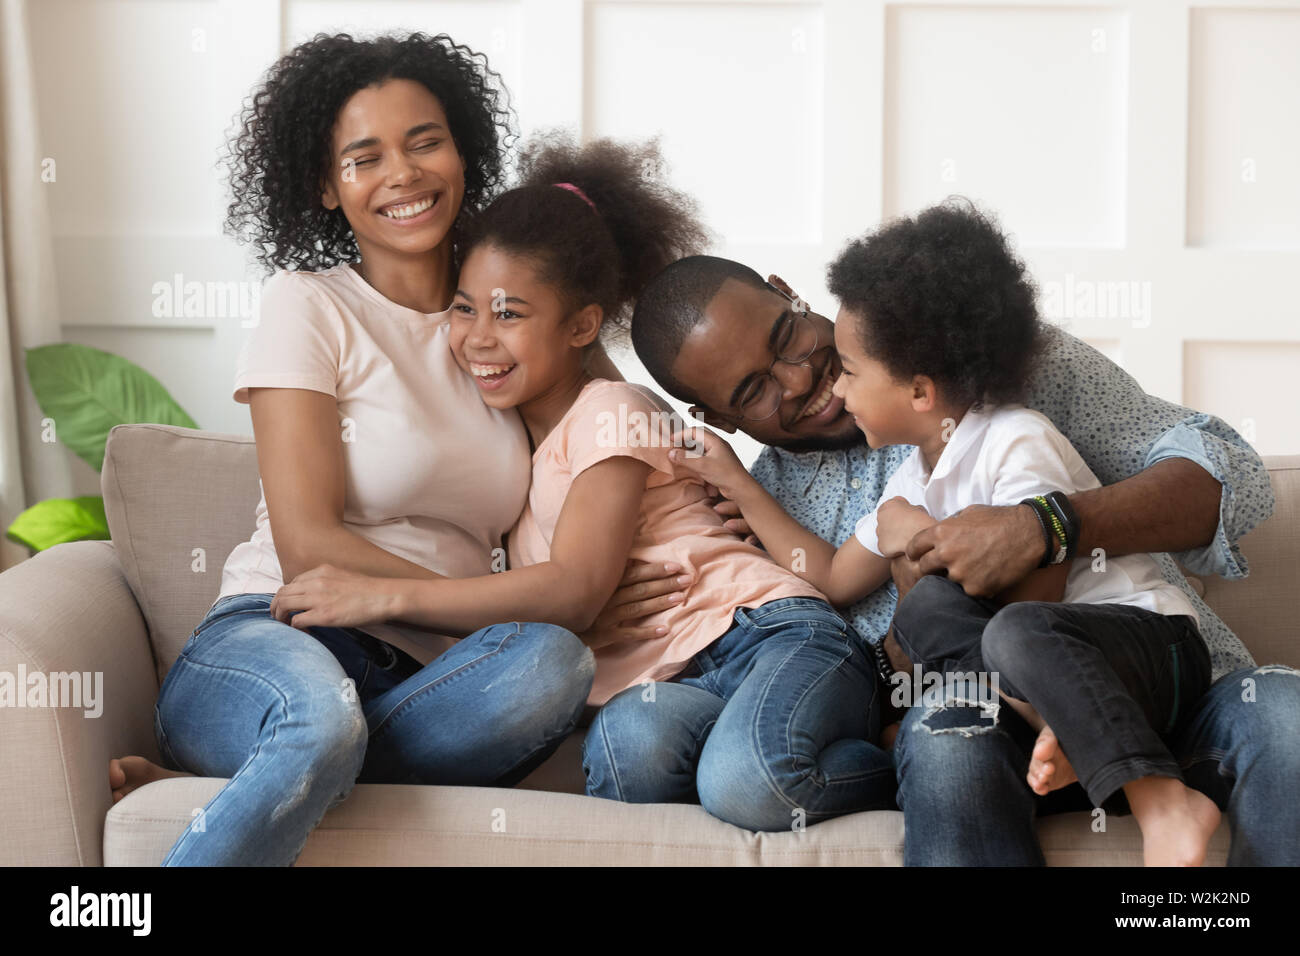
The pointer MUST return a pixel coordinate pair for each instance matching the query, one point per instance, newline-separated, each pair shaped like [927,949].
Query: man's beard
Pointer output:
[851,439]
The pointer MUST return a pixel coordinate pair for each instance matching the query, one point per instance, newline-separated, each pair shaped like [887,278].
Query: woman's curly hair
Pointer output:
[280,153]
[943,295]
[606,254]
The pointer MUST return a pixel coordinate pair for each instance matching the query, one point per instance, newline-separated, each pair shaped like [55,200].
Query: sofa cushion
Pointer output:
[476,826]
[177,500]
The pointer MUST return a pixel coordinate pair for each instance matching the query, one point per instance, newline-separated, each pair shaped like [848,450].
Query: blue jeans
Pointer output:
[966,802]
[772,726]
[294,717]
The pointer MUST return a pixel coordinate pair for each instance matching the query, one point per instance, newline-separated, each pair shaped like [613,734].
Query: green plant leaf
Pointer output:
[56,520]
[87,391]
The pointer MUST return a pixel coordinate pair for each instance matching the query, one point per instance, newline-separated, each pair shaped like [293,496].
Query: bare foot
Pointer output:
[1177,821]
[131,773]
[1049,768]
[888,733]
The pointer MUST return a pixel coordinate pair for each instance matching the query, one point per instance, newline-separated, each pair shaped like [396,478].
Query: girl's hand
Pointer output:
[700,453]
[897,520]
[327,596]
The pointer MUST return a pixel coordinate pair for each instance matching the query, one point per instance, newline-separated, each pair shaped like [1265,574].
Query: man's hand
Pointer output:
[646,589]
[984,548]
[327,596]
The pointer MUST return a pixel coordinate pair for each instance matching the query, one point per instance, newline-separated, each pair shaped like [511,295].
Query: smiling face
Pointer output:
[513,333]
[395,170]
[732,346]
[883,408]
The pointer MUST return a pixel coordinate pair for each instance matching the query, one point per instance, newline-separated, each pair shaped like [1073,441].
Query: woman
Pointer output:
[375,454]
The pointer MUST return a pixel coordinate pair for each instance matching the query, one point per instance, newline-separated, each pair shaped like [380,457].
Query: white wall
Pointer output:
[1145,155]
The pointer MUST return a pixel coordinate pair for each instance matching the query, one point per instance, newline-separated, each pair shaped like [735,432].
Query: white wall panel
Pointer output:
[1244,129]
[738,97]
[1022,109]
[1242,382]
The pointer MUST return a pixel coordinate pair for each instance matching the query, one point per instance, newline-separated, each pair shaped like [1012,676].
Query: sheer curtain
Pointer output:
[30,469]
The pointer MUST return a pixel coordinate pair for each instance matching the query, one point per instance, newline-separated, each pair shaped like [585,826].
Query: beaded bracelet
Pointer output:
[1047,532]
[1065,511]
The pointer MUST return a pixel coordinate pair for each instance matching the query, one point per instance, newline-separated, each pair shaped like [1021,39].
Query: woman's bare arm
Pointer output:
[300,459]
[589,550]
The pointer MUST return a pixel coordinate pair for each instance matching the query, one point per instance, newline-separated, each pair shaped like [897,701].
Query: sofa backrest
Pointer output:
[1262,608]
[178,500]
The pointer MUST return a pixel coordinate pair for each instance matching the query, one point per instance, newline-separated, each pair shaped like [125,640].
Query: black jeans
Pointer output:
[1113,681]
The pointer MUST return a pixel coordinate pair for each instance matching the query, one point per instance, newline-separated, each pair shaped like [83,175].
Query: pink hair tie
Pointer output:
[577,192]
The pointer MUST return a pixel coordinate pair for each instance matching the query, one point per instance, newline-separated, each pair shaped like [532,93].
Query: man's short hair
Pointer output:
[672,304]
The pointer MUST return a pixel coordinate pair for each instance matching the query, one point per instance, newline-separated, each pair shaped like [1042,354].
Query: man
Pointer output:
[1174,481]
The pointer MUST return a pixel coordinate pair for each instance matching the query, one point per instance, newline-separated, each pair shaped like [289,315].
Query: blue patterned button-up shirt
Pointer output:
[1116,427]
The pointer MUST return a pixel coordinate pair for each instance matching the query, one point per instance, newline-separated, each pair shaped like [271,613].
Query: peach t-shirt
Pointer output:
[432,474]
[677,523]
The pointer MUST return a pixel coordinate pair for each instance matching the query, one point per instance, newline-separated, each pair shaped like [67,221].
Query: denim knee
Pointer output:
[329,736]
[647,758]
[952,751]
[337,731]
[737,786]
[1014,638]
[1266,707]
[554,671]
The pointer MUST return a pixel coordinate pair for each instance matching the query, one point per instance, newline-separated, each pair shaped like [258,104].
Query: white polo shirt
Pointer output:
[1000,455]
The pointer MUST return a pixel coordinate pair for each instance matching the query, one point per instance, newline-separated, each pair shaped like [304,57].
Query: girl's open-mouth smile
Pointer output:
[490,377]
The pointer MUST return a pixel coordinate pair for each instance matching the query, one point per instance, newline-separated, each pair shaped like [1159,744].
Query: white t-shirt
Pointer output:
[432,474]
[1002,455]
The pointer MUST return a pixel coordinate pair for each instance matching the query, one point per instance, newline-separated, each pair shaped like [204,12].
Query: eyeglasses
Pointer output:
[793,340]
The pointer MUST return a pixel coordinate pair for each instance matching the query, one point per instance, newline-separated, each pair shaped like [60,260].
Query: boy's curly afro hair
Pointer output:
[943,295]
[280,153]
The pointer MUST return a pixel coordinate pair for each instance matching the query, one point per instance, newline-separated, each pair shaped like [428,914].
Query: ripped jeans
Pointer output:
[962,773]
[292,717]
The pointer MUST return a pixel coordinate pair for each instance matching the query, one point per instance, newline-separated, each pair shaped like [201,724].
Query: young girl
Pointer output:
[1099,653]
[755,697]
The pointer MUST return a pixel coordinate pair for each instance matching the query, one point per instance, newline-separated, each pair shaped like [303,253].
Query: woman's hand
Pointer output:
[703,454]
[327,596]
[897,521]
[646,589]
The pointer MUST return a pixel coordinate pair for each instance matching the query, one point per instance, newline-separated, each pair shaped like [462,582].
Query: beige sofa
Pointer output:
[178,500]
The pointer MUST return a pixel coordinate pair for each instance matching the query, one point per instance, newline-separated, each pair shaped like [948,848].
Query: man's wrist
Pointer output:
[1030,535]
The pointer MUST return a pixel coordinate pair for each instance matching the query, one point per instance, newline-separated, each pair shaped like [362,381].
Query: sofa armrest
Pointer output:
[66,610]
